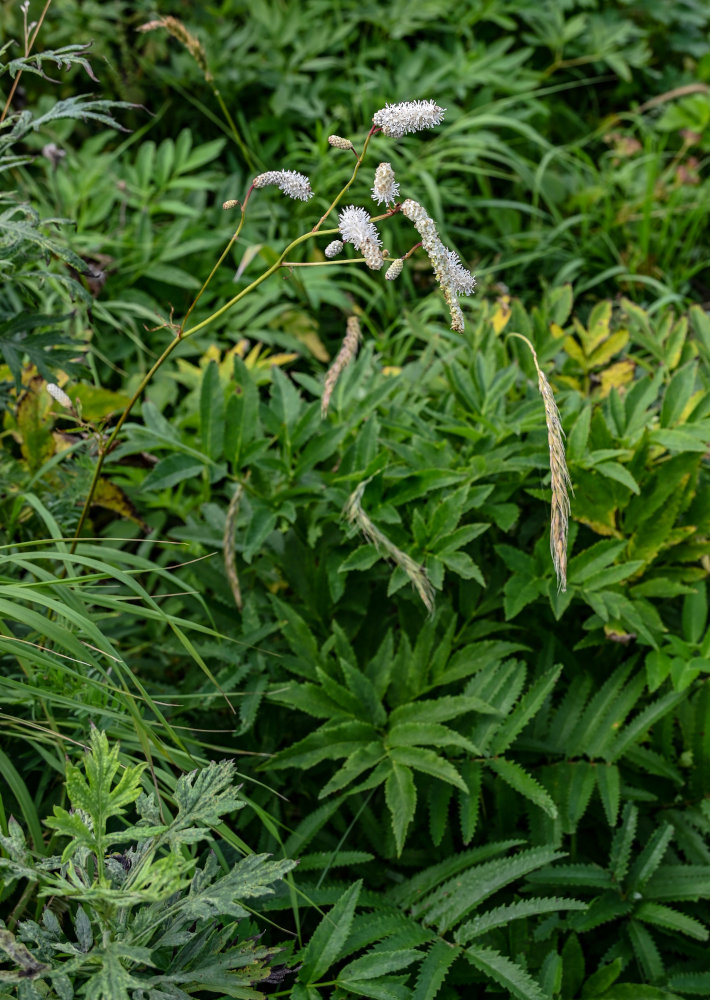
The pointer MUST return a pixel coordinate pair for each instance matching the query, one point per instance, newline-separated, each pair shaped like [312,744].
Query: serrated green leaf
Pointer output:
[378,963]
[440,709]
[503,971]
[329,937]
[529,705]
[428,762]
[433,970]
[669,919]
[501,916]
[401,798]
[428,733]
[646,951]
[212,412]
[602,979]
[454,899]
[609,785]
[518,778]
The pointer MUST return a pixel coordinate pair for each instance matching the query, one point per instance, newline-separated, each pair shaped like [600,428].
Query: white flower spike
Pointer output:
[292,183]
[396,120]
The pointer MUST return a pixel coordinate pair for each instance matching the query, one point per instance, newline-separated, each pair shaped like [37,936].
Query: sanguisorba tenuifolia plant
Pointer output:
[358,228]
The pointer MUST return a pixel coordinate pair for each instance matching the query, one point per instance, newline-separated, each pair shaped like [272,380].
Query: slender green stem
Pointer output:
[257,281]
[104,450]
[246,152]
[224,253]
[335,201]
[183,334]
[28,49]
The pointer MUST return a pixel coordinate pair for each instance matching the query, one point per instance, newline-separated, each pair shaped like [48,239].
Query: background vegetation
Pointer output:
[509,797]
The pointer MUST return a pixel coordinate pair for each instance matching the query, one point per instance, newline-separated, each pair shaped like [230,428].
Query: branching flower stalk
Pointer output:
[356,226]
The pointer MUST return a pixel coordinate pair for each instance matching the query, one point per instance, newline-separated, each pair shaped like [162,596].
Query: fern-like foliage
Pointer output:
[151,920]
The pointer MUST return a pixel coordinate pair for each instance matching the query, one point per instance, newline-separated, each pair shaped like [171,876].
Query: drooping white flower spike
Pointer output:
[452,276]
[396,120]
[292,183]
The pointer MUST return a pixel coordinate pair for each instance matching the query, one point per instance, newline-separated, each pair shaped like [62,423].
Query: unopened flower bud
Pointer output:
[339,142]
[60,396]
[334,248]
[395,269]
[232,203]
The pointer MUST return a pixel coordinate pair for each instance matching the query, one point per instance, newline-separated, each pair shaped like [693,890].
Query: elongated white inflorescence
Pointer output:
[396,120]
[334,248]
[292,183]
[452,276]
[386,188]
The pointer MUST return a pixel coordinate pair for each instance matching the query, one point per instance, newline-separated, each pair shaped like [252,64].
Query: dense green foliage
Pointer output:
[491,786]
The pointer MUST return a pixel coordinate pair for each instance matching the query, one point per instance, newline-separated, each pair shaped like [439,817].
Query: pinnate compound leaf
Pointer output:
[432,972]
[401,798]
[95,796]
[503,971]
[205,796]
[250,878]
[329,937]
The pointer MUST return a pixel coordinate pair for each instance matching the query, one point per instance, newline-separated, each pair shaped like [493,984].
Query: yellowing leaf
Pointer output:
[575,352]
[599,321]
[305,328]
[33,428]
[501,316]
[96,402]
[556,331]
[113,498]
[609,347]
[275,359]
[391,370]
[600,527]
[676,341]
[616,376]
